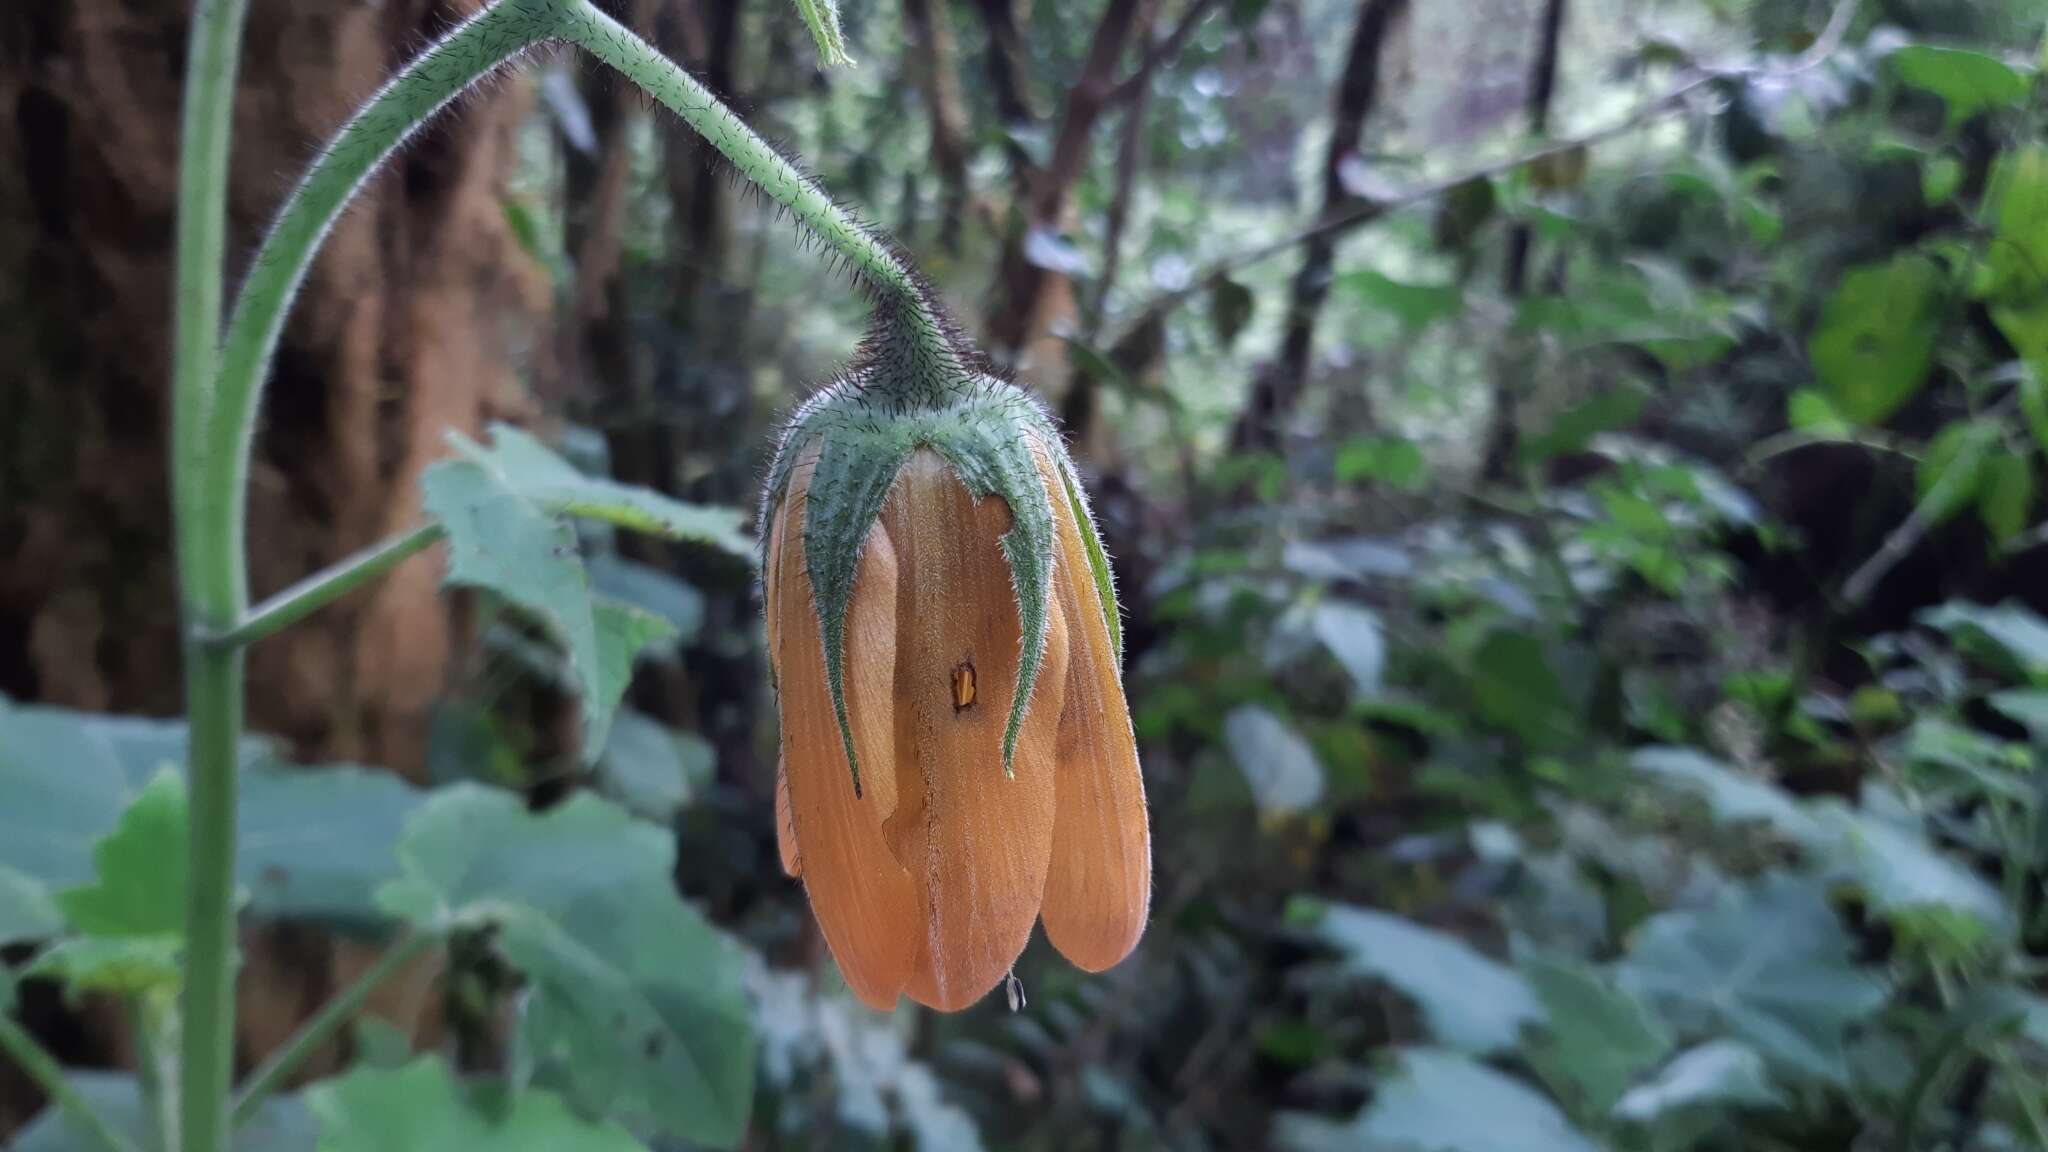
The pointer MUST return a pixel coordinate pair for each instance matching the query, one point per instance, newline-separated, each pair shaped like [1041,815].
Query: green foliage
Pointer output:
[422,1105]
[282,1125]
[1969,82]
[1469,1002]
[1875,342]
[1446,1102]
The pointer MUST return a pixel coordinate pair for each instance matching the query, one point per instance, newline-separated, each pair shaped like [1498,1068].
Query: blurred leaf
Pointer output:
[128,966]
[1395,463]
[27,910]
[1230,309]
[652,770]
[2015,273]
[1469,1001]
[1462,212]
[281,1123]
[651,590]
[2023,706]
[422,1106]
[1968,82]
[1940,178]
[1716,1074]
[1766,963]
[316,842]
[821,17]
[636,1010]
[1734,798]
[139,887]
[1352,634]
[2005,494]
[1441,1102]
[1282,770]
[1598,1038]
[1951,473]
[1514,687]
[2012,628]
[1911,882]
[1048,249]
[1416,306]
[1573,429]
[1875,342]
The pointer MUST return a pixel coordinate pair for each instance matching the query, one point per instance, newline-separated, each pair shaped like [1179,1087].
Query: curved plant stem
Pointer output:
[878,263]
[48,1075]
[327,585]
[272,1074]
[444,71]
[213,678]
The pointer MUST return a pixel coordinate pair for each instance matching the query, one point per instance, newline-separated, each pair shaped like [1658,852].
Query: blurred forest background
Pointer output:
[1571,467]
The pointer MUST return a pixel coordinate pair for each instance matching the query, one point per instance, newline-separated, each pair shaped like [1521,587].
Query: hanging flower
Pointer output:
[957,755]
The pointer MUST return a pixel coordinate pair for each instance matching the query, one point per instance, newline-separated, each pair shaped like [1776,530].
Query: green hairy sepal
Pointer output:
[867,425]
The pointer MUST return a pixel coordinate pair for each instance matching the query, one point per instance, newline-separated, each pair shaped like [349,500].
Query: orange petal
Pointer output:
[864,900]
[976,842]
[1099,889]
[785,825]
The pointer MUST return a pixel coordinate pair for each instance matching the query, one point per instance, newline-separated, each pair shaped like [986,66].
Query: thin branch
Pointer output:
[328,585]
[324,1024]
[1822,48]
[1161,51]
[41,1067]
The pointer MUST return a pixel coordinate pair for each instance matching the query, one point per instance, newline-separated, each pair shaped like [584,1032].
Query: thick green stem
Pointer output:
[326,586]
[444,71]
[926,363]
[48,1075]
[324,1024]
[209,576]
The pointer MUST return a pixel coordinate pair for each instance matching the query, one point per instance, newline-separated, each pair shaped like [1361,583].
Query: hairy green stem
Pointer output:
[930,361]
[328,585]
[272,1074]
[213,679]
[444,71]
[32,1058]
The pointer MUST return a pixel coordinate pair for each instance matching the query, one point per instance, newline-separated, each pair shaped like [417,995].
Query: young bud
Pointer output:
[957,754]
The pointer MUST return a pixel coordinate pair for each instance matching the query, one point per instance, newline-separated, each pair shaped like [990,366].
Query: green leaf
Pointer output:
[2015,273]
[2028,707]
[2013,630]
[526,468]
[27,910]
[651,769]
[2005,494]
[1469,1001]
[1719,1073]
[122,965]
[1441,1102]
[1940,178]
[1282,770]
[1513,686]
[140,866]
[1396,463]
[1968,82]
[316,842]
[1875,343]
[1951,473]
[1416,306]
[636,1008]
[502,540]
[1230,308]
[1733,798]
[281,1123]
[1810,411]
[422,1106]
[638,1011]
[1598,1039]
[1351,632]
[651,590]
[1914,884]
[1791,991]
[1574,428]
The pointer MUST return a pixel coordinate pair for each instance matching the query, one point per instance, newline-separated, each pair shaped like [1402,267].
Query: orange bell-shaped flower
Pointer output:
[971,769]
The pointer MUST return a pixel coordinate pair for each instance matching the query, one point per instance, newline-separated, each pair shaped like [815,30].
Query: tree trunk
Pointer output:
[1503,435]
[406,328]
[1279,386]
[930,30]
